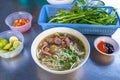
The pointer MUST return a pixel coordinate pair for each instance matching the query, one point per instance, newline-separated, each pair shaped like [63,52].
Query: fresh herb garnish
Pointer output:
[84,15]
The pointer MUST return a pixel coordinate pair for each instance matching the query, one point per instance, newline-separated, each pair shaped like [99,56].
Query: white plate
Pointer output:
[60,1]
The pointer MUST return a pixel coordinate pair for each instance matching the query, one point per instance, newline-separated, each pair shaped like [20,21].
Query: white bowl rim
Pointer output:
[60,1]
[33,51]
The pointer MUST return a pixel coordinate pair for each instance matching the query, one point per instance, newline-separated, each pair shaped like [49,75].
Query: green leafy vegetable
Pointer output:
[84,15]
[61,62]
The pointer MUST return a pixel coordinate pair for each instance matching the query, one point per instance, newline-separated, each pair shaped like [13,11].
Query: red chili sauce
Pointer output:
[105,47]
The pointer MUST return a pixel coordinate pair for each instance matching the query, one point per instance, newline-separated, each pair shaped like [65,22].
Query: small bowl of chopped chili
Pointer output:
[20,21]
[105,49]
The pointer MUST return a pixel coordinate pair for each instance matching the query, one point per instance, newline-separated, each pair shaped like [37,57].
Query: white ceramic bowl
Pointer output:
[60,1]
[7,35]
[44,34]
[107,40]
[18,15]
[97,3]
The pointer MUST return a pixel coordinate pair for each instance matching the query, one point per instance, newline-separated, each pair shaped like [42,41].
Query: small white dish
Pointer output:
[107,40]
[101,57]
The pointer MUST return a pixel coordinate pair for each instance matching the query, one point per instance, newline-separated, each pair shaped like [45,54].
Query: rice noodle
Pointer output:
[64,58]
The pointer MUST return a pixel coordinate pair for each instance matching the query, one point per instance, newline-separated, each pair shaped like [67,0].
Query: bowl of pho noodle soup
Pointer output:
[60,50]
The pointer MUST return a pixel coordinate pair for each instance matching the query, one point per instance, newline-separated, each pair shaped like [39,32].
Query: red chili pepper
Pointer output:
[20,22]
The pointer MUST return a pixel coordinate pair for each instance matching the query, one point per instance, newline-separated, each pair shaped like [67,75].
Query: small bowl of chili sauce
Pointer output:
[105,49]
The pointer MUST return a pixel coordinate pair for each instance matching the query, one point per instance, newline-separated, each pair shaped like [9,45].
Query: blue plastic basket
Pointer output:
[49,10]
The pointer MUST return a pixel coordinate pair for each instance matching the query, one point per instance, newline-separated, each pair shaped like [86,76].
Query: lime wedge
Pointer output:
[11,49]
[3,42]
[7,46]
[1,45]
[3,51]
[13,38]
[16,44]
